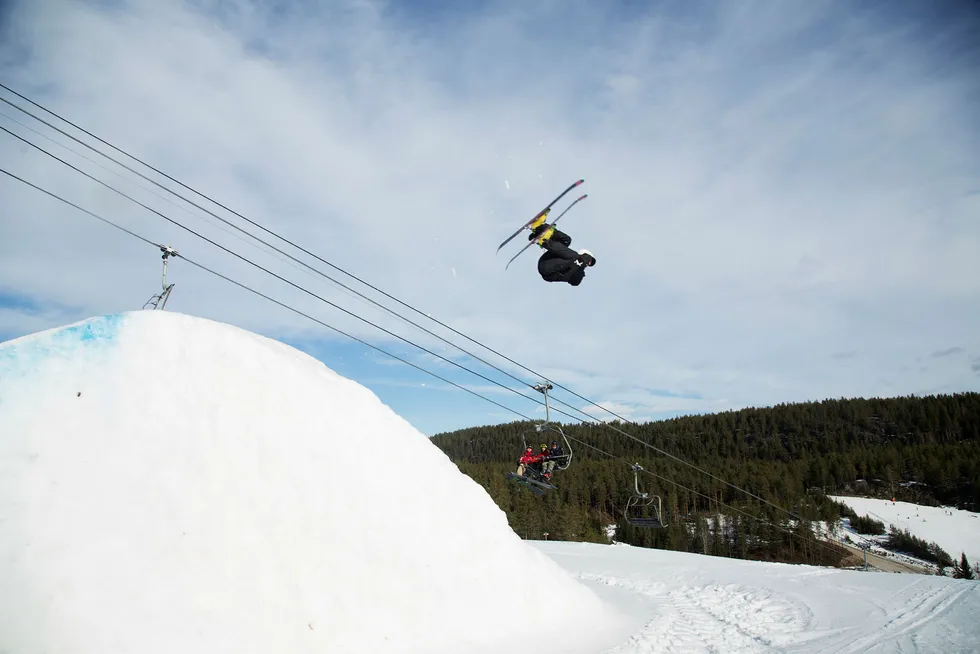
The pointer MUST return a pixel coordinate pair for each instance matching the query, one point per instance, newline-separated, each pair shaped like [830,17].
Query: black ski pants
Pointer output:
[558,263]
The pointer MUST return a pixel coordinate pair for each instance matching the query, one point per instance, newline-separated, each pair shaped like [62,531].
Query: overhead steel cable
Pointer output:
[370,345]
[72,204]
[266,243]
[266,270]
[250,243]
[237,227]
[676,458]
[260,294]
[591,417]
[124,178]
[270,232]
[521,381]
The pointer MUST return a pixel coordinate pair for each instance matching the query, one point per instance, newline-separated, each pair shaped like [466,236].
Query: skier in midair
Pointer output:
[560,263]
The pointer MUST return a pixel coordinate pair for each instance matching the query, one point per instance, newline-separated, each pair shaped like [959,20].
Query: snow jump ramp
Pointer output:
[173,484]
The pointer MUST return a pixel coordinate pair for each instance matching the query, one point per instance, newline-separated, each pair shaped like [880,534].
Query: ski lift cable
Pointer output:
[310,268]
[125,195]
[285,240]
[422,369]
[426,350]
[363,342]
[260,294]
[266,270]
[660,477]
[680,460]
[256,243]
[144,188]
[591,417]
[69,202]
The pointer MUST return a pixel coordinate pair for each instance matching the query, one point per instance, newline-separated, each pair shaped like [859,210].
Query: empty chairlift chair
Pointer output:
[643,509]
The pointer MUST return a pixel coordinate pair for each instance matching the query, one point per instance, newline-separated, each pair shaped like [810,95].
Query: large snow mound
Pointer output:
[173,484]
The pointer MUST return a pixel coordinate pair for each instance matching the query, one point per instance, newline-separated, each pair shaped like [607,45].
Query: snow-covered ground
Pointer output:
[689,603]
[953,530]
[171,484]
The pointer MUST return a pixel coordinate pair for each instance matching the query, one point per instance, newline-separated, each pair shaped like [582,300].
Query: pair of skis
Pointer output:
[543,212]
[538,487]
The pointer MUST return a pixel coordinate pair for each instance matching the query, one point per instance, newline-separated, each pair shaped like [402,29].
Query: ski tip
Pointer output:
[581,181]
[585,195]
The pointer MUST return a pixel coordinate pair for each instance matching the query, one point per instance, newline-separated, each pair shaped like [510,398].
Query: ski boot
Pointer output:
[537,222]
[541,233]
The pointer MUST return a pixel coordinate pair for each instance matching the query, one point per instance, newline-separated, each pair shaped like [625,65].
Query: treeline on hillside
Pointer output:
[903,541]
[925,450]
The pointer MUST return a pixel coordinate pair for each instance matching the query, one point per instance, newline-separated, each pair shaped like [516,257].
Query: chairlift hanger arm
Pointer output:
[543,389]
[547,425]
[159,301]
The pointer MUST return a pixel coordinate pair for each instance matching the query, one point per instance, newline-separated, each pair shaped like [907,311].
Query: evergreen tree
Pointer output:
[941,567]
[962,569]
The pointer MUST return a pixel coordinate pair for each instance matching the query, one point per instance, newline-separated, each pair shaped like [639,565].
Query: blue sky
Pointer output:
[783,197]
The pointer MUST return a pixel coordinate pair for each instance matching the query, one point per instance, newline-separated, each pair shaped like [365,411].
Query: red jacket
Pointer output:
[530,458]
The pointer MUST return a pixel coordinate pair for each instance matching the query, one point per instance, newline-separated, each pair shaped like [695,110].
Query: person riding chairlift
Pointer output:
[555,454]
[543,466]
[528,459]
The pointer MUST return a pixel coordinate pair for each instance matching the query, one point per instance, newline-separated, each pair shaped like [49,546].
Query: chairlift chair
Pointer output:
[643,509]
[547,427]
[532,477]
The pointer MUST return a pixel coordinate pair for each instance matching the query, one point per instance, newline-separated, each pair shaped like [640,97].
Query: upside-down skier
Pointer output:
[560,263]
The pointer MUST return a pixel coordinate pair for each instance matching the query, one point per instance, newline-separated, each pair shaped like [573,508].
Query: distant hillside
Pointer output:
[918,449]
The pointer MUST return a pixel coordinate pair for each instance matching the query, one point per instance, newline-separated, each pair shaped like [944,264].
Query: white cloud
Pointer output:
[769,186]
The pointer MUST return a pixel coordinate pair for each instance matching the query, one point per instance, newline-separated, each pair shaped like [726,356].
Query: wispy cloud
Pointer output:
[948,351]
[770,186]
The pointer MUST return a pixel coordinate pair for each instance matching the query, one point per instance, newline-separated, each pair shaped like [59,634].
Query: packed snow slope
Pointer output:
[954,530]
[692,604]
[171,484]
